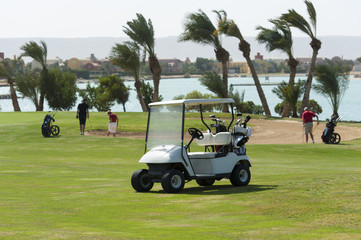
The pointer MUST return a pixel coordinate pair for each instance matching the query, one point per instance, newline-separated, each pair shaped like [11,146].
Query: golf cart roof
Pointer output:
[194,102]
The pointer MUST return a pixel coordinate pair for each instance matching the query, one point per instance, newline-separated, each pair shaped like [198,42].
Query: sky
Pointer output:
[106,18]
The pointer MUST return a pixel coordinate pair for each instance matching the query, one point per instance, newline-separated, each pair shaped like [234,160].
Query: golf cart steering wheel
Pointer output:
[195,133]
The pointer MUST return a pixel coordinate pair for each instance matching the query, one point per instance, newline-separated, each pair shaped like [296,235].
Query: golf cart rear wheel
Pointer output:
[240,175]
[205,182]
[55,130]
[335,138]
[141,181]
[173,181]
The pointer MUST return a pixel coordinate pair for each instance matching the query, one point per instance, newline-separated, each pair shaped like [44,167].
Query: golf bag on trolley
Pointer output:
[47,128]
[241,134]
[328,135]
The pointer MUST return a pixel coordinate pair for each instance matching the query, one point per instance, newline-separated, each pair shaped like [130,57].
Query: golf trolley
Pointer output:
[47,128]
[328,135]
[219,155]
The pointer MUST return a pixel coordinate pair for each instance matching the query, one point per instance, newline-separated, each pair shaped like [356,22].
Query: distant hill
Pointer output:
[168,47]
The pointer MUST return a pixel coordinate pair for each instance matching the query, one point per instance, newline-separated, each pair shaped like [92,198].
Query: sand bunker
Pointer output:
[266,132]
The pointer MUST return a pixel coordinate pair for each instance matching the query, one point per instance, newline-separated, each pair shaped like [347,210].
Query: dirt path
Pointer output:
[268,132]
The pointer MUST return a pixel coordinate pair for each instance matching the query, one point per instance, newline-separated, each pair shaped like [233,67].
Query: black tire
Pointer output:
[240,175]
[141,181]
[173,181]
[335,138]
[205,181]
[55,130]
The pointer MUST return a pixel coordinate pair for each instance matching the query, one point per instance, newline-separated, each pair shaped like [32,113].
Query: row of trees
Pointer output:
[131,57]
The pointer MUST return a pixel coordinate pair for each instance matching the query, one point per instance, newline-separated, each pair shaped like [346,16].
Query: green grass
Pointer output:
[78,187]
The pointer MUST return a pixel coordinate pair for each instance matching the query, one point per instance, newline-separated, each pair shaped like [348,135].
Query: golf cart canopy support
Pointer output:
[191,102]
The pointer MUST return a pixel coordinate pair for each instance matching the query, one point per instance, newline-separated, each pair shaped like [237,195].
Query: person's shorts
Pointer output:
[308,127]
[112,127]
[82,120]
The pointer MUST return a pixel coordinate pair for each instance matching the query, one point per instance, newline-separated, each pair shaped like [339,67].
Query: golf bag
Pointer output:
[328,135]
[241,134]
[47,128]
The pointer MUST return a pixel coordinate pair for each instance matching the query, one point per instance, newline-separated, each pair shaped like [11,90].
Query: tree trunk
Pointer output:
[14,97]
[156,73]
[137,86]
[222,56]
[124,107]
[292,63]
[40,107]
[316,45]
[225,82]
[246,50]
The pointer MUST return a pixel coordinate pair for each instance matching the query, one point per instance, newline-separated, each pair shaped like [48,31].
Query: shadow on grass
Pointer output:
[223,189]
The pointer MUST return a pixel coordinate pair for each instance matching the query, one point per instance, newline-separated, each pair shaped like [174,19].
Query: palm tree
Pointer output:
[290,94]
[142,32]
[333,82]
[39,54]
[28,84]
[294,19]
[128,57]
[230,28]
[280,38]
[200,29]
[8,69]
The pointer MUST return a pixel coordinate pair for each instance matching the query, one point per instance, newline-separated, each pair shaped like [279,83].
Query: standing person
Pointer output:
[82,113]
[308,123]
[113,123]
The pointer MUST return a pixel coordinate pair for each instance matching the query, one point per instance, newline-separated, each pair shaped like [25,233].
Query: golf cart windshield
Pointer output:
[165,125]
[166,120]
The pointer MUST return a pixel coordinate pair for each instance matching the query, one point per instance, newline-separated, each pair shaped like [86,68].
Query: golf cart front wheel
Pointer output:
[55,130]
[141,181]
[173,181]
[205,182]
[240,175]
[335,138]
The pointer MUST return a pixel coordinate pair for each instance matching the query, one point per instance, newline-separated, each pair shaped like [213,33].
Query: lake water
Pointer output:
[349,109]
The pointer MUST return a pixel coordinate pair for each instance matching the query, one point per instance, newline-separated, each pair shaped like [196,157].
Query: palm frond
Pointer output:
[312,14]
[200,29]
[277,38]
[127,56]
[141,31]
[37,52]
[294,19]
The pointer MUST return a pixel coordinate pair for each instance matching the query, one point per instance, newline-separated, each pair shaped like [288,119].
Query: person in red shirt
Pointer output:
[112,124]
[307,117]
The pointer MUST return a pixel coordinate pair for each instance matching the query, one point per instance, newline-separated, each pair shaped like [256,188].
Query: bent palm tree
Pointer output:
[128,57]
[280,38]
[39,54]
[333,82]
[8,69]
[230,28]
[200,29]
[294,19]
[142,32]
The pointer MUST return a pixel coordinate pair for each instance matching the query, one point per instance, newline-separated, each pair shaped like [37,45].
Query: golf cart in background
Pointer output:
[168,153]
[48,128]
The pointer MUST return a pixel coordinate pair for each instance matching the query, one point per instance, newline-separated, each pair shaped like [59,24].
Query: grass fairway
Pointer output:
[78,187]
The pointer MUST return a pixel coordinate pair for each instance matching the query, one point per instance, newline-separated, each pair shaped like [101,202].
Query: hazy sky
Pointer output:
[103,18]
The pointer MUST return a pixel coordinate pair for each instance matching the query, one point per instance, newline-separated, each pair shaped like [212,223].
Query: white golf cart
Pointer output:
[171,162]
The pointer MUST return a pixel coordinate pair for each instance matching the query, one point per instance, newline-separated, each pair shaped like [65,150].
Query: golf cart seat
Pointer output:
[202,155]
[221,138]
